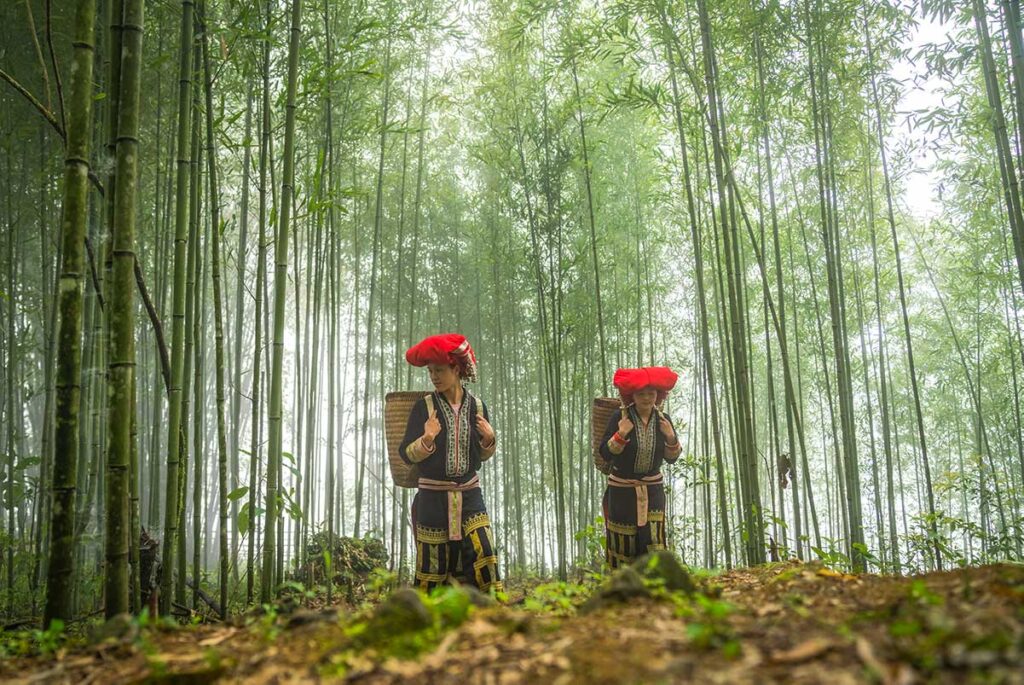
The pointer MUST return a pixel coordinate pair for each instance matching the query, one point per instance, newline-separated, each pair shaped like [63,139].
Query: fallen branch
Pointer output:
[210,601]
[20,623]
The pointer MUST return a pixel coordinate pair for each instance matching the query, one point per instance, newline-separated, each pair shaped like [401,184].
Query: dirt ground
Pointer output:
[789,622]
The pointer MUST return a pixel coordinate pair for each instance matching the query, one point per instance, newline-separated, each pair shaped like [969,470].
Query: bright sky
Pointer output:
[921,197]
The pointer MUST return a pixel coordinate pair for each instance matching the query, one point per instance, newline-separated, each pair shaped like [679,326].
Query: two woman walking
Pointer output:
[449,435]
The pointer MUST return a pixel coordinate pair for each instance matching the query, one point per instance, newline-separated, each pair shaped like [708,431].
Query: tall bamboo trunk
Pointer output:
[218,323]
[181,217]
[280,285]
[240,264]
[75,215]
[332,321]
[122,318]
[192,381]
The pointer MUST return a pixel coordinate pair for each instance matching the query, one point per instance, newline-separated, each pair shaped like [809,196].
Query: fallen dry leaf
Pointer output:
[402,667]
[804,651]
[217,639]
[887,674]
[867,655]
[829,573]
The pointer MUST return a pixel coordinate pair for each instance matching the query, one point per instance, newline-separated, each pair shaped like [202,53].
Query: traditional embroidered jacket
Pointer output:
[644,452]
[457,453]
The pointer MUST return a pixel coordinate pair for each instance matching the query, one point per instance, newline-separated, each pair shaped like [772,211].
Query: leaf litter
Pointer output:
[786,622]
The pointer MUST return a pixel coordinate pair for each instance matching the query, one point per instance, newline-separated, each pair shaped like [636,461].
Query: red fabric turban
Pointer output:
[447,348]
[631,381]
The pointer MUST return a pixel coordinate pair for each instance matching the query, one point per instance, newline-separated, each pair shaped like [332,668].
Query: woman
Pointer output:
[638,438]
[448,437]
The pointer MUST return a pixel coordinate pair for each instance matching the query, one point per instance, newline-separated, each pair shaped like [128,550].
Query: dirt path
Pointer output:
[782,623]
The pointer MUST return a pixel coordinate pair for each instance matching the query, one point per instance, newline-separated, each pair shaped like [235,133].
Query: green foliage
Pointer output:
[50,639]
[451,607]
[865,553]
[238,493]
[31,642]
[246,513]
[406,625]
[557,598]
[381,582]
[267,624]
[296,590]
[833,557]
[707,625]
[593,538]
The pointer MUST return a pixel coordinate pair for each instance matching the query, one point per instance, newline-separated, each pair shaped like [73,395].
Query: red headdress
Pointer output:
[631,381]
[447,348]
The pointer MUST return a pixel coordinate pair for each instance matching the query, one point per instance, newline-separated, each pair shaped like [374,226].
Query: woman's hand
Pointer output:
[485,429]
[431,429]
[666,429]
[625,425]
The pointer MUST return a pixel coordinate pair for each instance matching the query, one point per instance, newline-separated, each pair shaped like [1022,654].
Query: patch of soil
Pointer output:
[788,622]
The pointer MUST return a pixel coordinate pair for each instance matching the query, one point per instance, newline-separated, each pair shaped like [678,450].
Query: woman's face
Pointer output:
[443,376]
[645,398]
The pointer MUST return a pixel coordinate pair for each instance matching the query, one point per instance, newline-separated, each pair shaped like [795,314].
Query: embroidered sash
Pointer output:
[454,491]
[640,485]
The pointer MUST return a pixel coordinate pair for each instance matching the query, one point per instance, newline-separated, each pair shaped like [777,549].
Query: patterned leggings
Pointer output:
[470,560]
[626,542]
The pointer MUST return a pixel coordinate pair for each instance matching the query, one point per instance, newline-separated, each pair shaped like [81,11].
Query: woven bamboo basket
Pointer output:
[397,407]
[601,411]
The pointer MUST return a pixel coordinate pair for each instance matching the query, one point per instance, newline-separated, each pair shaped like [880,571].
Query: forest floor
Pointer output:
[785,622]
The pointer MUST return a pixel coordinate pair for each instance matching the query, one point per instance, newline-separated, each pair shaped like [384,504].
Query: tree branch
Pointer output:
[47,114]
[147,301]
[56,69]
[158,328]
[94,273]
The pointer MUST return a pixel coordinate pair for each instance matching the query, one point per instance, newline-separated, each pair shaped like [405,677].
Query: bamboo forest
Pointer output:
[532,341]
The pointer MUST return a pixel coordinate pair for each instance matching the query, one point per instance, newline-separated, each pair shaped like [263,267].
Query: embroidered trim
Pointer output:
[433,536]
[645,443]
[457,444]
[621,528]
[655,516]
[431,577]
[475,522]
[483,562]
